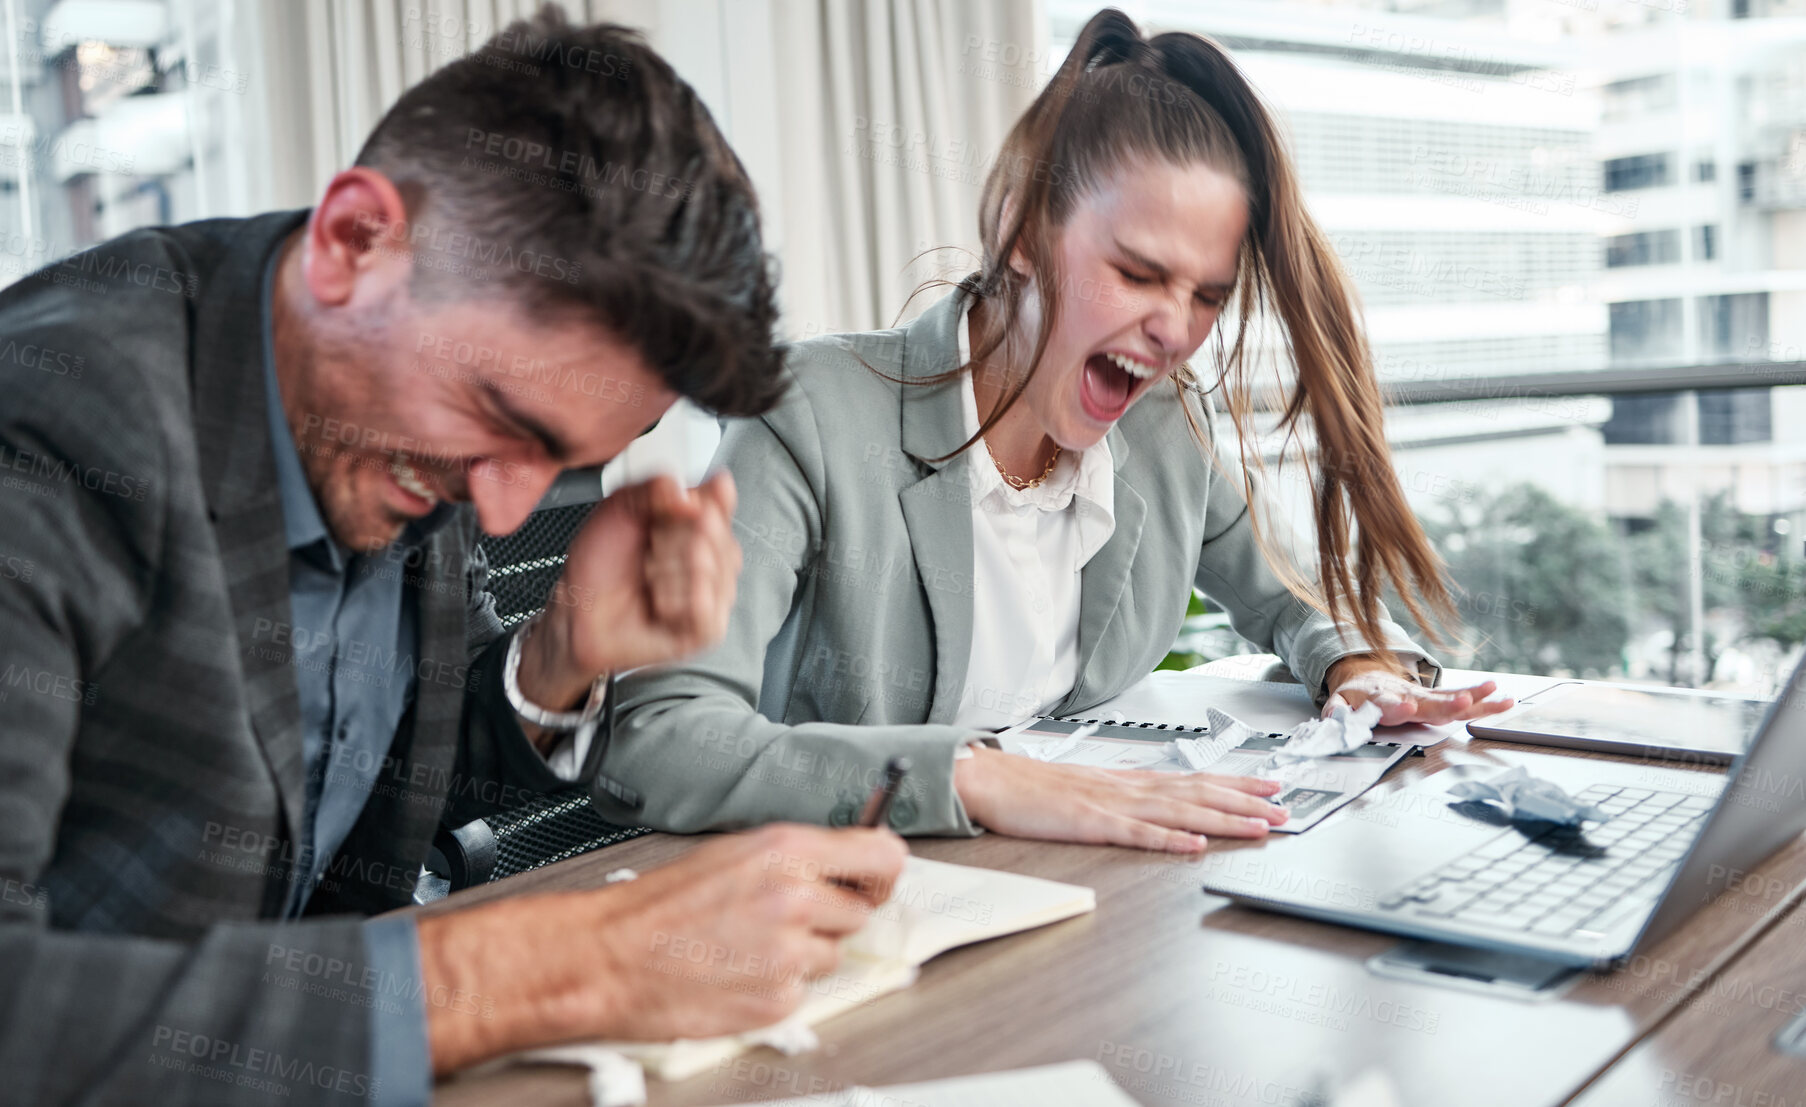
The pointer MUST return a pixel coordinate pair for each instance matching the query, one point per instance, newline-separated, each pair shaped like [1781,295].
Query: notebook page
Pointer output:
[935,907]
[939,906]
[858,980]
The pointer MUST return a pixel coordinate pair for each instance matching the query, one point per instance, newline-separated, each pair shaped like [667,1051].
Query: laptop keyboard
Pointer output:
[1565,878]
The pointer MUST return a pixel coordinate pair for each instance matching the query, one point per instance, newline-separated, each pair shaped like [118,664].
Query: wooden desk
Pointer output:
[1188,999]
[1718,1047]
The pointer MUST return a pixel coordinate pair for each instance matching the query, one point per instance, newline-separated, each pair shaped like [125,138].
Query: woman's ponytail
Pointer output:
[1119,97]
[1297,276]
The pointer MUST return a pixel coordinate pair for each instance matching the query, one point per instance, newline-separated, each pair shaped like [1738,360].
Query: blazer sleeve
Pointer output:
[690,738]
[1233,572]
[103,1018]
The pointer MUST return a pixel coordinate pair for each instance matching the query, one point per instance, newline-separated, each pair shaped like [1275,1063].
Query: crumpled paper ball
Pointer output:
[1526,797]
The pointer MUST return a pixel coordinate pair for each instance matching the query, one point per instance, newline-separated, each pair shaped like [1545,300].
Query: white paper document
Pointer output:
[1187,736]
[1174,697]
[1073,1084]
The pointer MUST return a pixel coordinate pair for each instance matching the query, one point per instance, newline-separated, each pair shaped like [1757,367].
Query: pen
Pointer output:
[877,808]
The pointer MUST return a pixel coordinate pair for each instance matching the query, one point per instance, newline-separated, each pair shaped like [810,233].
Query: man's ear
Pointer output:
[358,232]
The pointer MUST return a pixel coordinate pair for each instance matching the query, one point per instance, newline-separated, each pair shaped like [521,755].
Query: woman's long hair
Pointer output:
[1120,98]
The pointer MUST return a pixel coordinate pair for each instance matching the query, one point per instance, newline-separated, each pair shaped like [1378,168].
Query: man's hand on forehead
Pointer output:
[649,579]
[667,498]
[693,560]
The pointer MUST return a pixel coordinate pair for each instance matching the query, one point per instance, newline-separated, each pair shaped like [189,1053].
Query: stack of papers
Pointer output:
[1175,726]
[1171,696]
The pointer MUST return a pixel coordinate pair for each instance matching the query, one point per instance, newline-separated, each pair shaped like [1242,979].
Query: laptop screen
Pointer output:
[1762,808]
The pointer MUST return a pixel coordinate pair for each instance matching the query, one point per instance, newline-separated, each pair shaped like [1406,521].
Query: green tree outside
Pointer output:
[1548,589]
[1540,586]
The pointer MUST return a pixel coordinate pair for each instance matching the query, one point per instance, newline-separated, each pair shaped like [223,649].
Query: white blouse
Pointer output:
[1028,548]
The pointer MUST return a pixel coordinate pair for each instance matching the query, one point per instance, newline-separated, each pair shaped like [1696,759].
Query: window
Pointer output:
[1545,246]
[1735,416]
[1641,171]
[1346,152]
[1645,330]
[1643,248]
[1640,419]
[1705,242]
[1398,266]
[125,111]
[1637,96]
[1733,326]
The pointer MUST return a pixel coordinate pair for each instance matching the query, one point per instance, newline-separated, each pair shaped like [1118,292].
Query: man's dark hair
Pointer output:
[571,168]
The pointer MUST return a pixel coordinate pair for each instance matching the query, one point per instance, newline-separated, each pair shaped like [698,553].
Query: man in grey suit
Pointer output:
[247,662]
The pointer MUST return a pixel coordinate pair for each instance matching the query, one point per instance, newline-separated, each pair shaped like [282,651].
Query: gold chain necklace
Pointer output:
[1023,484]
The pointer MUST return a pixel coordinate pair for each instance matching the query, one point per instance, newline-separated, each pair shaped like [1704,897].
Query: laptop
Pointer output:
[1422,864]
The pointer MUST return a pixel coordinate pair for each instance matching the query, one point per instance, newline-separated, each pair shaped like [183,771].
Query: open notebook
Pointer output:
[935,907]
[1073,1084]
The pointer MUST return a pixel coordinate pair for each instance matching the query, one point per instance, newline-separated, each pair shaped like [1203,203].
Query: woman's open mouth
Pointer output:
[1109,382]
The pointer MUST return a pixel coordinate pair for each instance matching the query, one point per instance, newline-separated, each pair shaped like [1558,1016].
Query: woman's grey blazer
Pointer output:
[852,629]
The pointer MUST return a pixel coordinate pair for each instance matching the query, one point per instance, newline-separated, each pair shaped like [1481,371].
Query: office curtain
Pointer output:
[869,129]
[891,114]
[332,67]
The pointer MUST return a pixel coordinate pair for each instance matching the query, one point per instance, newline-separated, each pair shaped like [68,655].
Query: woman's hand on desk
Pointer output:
[1356,680]
[1173,812]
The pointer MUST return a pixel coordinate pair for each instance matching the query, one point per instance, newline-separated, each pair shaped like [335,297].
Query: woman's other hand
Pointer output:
[1174,812]
[1363,679]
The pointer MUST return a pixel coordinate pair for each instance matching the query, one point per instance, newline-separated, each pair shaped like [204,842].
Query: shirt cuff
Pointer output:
[520,763]
[964,753]
[401,1069]
[568,753]
[1415,664]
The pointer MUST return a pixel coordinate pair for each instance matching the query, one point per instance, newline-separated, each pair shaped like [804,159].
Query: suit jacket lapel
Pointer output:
[1106,575]
[238,474]
[394,835]
[938,508]
[443,667]
[937,511]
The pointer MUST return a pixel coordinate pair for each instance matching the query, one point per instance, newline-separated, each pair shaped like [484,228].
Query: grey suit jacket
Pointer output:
[852,630]
[151,771]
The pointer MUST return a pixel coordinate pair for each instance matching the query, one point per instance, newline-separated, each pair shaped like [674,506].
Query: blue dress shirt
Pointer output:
[354,634]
